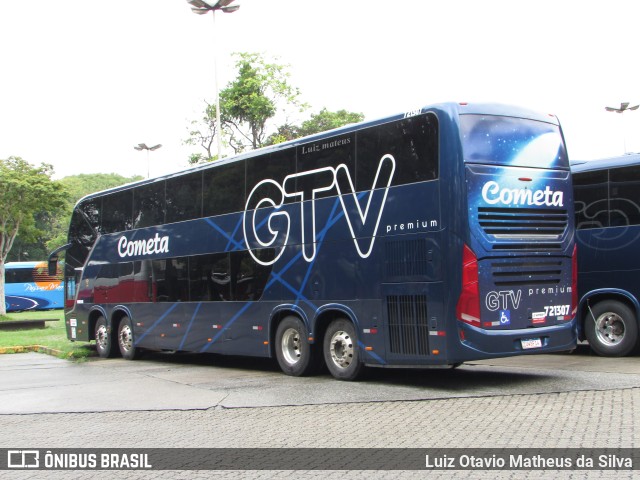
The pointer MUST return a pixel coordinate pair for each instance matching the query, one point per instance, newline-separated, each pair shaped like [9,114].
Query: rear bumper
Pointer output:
[478,343]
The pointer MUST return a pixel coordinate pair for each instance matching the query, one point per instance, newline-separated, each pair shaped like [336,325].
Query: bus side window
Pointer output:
[117,212]
[624,189]
[149,205]
[223,189]
[331,152]
[248,277]
[413,143]
[209,278]
[184,198]
[276,168]
[591,199]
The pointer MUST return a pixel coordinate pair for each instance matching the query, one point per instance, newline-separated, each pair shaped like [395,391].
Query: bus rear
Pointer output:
[518,256]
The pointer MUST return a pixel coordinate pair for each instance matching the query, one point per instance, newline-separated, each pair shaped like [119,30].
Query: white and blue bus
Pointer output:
[28,286]
[430,238]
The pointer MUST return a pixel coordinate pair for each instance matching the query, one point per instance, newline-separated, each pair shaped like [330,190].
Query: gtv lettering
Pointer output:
[503,300]
[264,202]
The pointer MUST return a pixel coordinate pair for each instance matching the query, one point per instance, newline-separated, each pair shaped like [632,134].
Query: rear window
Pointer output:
[510,141]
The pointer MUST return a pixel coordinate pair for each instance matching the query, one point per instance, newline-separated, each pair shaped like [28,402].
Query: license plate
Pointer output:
[530,343]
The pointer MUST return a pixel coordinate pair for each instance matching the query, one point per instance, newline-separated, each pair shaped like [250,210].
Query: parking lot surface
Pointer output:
[550,401]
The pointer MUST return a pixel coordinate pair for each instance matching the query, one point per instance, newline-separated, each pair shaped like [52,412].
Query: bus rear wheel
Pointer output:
[126,340]
[611,329]
[104,345]
[341,350]
[296,356]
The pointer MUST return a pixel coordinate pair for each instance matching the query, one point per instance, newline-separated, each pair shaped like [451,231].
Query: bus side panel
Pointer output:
[604,259]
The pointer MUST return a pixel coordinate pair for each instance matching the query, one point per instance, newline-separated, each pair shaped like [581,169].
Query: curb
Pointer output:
[31,348]
[24,324]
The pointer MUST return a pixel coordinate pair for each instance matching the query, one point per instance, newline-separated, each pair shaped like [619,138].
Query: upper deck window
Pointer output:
[512,141]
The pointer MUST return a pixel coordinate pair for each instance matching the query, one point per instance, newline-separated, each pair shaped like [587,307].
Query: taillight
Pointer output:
[574,281]
[468,308]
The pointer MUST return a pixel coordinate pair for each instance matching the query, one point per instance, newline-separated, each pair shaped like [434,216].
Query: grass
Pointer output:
[53,337]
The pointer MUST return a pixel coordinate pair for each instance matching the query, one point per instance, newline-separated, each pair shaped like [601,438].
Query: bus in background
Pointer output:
[28,286]
[607,196]
[429,238]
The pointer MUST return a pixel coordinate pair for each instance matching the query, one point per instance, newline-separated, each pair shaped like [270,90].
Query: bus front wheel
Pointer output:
[611,329]
[104,345]
[341,350]
[295,355]
[126,340]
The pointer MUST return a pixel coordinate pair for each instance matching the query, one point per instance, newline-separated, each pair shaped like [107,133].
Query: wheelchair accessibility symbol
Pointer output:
[505,317]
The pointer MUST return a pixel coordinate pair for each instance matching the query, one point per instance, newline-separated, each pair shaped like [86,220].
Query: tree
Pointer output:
[203,133]
[320,122]
[250,102]
[247,104]
[326,120]
[77,187]
[25,192]
[253,98]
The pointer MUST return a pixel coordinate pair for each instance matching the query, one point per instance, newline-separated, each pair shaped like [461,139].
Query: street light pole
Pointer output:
[202,7]
[624,107]
[143,146]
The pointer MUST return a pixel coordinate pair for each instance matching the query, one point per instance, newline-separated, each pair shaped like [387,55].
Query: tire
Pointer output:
[296,356]
[104,344]
[341,352]
[126,342]
[611,329]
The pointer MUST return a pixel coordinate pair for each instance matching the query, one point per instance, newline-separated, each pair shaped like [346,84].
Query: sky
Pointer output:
[82,82]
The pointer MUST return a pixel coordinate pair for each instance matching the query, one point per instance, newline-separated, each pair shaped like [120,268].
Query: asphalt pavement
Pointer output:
[167,401]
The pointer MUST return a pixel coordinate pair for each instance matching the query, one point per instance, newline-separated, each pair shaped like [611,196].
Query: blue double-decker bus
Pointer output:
[28,286]
[607,196]
[429,238]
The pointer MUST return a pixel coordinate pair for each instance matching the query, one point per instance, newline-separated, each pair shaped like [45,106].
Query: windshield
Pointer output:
[497,140]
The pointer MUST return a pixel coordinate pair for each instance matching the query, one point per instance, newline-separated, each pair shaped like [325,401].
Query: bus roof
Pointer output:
[22,264]
[603,163]
[452,108]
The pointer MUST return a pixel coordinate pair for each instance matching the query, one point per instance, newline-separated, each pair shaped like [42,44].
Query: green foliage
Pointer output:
[249,102]
[83,184]
[202,133]
[319,122]
[29,198]
[326,120]
[79,186]
[284,133]
[53,228]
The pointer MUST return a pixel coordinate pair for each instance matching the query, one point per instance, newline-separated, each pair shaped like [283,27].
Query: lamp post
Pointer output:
[202,7]
[624,107]
[143,146]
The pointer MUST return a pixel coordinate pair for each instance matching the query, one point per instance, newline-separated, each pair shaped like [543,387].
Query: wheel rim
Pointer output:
[102,337]
[126,338]
[610,328]
[291,346]
[341,349]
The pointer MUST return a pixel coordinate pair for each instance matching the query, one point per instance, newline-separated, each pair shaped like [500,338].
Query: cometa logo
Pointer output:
[151,246]
[493,194]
